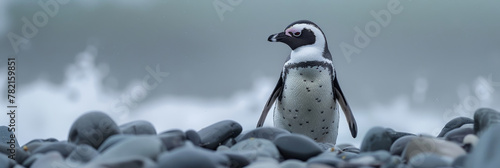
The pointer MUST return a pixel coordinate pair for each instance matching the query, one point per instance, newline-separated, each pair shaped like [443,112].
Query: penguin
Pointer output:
[308,93]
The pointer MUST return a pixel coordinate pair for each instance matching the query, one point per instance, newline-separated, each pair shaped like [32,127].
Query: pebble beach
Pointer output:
[95,140]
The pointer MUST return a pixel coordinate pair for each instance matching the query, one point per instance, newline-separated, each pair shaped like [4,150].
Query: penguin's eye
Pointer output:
[296,34]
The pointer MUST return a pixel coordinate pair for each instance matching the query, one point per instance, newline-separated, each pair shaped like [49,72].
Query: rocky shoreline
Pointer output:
[95,140]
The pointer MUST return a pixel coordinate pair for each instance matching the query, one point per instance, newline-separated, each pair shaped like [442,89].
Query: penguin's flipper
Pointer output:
[339,96]
[276,93]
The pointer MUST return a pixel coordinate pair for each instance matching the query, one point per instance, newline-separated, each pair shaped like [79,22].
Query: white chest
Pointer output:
[307,105]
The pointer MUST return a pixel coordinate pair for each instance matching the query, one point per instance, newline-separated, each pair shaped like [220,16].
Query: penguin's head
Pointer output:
[301,33]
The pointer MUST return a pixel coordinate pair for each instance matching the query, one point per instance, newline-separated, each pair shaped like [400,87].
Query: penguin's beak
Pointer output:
[278,37]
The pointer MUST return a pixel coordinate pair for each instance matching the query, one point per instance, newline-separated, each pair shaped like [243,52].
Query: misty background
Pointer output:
[435,60]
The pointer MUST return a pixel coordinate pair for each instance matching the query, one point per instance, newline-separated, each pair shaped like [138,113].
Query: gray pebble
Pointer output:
[112,140]
[63,148]
[139,127]
[82,154]
[255,147]
[457,135]
[486,154]
[327,158]
[292,163]
[235,159]
[484,118]
[399,145]
[455,123]
[431,145]
[318,165]
[263,162]
[192,157]
[347,155]
[429,160]
[377,138]
[31,159]
[326,146]
[30,147]
[297,146]
[172,140]
[217,133]
[459,162]
[19,154]
[268,133]
[379,157]
[5,161]
[141,146]
[93,129]
[193,136]
[124,162]
[50,160]
[348,148]
[229,142]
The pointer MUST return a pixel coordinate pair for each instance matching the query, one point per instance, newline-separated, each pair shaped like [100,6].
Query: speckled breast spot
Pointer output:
[307,105]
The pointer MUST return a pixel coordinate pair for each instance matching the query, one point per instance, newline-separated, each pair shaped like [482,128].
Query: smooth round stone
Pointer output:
[318,165]
[229,142]
[217,133]
[394,161]
[50,160]
[458,135]
[35,143]
[82,154]
[172,140]
[347,155]
[486,154]
[377,138]
[143,146]
[193,136]
[426,160]
[263,162]
[484,118]
[124,162]
[292,163]
[139,127]
[268,133]
[93,129]
[222,148]
[326,146]
[459,162]
[297,146]
[5,161]
[348,148]
[372,158]
[20,154]
[192,157]
[112,140]
[431,145]
[63,148]
[235,159]
[255,147]
[30,147]
[327,158]
[399,145]
[455,123]
[7,137]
